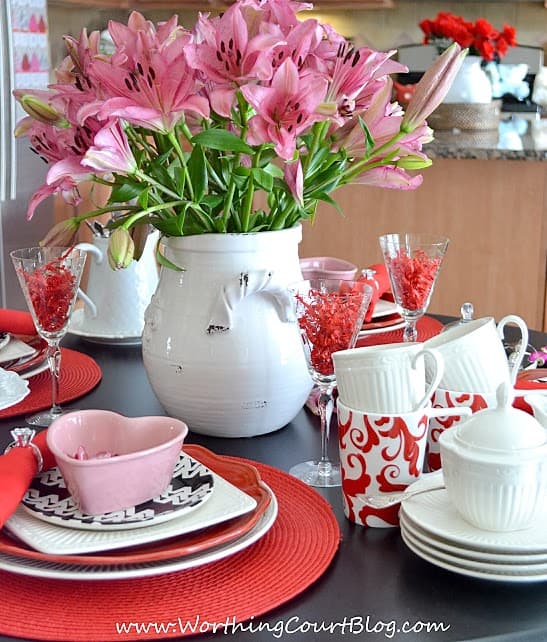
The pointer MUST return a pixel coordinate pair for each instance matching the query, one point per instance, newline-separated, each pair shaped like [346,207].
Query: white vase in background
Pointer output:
[220,345]
[471,84]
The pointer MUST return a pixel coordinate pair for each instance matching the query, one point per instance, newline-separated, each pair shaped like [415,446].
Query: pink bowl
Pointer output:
[327,267]
[146,450]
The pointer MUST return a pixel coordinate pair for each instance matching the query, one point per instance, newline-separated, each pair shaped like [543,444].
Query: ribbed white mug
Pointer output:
[387,378]
[474,355]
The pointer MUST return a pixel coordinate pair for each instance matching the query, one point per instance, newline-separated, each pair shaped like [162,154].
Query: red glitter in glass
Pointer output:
[328,321]
[51,290]
[413,278]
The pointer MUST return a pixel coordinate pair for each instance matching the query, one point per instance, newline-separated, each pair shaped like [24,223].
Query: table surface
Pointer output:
[375,588]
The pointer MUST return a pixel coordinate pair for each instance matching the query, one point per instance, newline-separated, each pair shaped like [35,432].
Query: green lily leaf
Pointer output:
[262,178]
[198,172]
[222,140]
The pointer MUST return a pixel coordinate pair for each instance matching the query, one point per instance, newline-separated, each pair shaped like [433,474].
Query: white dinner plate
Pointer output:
[226,502]
[77,328]
[53,570]
[13,388]
[49,499]
[481,570]
[435,514]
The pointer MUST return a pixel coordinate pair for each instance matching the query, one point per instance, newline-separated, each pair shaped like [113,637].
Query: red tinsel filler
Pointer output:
[329,321]
[413,278]
[51,289]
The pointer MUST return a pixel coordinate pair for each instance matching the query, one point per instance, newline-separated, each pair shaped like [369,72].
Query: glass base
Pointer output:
[45,418]
[318,474]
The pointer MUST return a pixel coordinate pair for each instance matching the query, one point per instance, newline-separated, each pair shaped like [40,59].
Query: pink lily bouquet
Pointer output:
[186,127]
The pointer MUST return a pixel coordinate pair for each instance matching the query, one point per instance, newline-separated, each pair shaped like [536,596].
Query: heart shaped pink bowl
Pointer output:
[144,451]
[327,267]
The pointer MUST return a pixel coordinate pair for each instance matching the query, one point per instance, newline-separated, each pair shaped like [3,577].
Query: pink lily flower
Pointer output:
[111,151]
[295,180]
[148,82]
[285,109]
[433,86]
[389,177]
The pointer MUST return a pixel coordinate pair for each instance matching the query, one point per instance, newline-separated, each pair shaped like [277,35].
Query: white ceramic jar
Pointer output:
[495,467]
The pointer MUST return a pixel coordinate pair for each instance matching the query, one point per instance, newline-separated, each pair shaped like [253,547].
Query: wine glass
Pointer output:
[49,278]
[330,313]
[413,263]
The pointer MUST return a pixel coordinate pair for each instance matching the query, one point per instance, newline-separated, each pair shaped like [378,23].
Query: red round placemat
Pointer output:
[79,374]
[292,555]
[427,327]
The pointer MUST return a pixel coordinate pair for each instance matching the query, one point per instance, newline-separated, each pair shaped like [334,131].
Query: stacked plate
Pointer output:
[433,529]
[213,508]
[384,317]
[23,354]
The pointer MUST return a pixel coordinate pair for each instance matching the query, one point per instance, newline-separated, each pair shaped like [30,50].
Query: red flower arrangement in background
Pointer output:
[479,37]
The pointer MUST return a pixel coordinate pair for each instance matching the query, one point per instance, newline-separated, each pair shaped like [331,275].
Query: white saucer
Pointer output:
[77,328]
[489,571]
[13,388]
[435,514]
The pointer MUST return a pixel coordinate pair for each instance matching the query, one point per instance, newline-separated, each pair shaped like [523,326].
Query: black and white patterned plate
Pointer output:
[48,499]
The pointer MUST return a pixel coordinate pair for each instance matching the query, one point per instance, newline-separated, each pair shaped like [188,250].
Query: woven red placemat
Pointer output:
[427,327]
[292,555]
[79,374]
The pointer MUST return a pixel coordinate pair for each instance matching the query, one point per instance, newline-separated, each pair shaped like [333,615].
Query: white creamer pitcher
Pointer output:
[115,301]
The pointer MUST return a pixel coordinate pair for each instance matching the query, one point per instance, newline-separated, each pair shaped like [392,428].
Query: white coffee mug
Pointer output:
[387,378]
[474,355]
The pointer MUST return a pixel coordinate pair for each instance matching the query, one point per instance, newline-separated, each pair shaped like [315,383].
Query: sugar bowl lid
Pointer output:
[503,428]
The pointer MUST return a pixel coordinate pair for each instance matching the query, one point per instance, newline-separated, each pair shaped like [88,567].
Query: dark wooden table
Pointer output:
[375,585]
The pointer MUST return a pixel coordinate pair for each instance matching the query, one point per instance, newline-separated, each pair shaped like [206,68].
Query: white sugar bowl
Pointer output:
[495,467]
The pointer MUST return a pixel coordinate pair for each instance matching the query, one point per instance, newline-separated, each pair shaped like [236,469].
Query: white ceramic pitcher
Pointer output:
[115,301]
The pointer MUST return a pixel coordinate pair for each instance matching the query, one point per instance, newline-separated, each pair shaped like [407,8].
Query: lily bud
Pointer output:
[120,249]
[62,234]
[139,234]
[413,161]
[433,87]
[40,110]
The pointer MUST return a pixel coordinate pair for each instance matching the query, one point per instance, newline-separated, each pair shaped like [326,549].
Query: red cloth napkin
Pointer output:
[17,468]
[527,382]
[380,285]
[16,322]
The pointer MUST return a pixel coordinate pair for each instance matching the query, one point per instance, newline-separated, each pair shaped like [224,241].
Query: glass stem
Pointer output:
[54,363]
[410,334]
[325,407]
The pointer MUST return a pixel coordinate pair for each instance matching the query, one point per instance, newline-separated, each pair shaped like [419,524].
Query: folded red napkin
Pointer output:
[379,282]
[527,381]
[17,468]
[16,322]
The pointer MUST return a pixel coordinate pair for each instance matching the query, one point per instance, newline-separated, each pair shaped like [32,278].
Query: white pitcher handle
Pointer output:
[521,324]
[92,249]
[436,379]
[96,252]
[246,284]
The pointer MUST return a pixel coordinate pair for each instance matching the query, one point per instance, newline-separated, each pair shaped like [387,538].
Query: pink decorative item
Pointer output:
[327,267]
[146,450]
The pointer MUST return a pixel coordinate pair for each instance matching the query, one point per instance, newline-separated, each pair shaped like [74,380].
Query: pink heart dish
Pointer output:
[110,462]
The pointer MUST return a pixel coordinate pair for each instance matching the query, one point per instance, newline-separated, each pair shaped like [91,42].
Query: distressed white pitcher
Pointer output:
[220,345]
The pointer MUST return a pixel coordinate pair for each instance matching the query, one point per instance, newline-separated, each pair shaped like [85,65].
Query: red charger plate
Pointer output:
[242,475]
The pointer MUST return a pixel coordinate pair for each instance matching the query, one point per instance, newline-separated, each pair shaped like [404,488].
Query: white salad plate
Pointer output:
[13,388]
[5,338]
[77,328]
[226,502]
[55,570]
[383,308]
[48,499]
[16,349]
[523,573]
[434,513]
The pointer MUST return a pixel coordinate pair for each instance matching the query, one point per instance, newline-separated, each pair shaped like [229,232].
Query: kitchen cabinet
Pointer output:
[494,212]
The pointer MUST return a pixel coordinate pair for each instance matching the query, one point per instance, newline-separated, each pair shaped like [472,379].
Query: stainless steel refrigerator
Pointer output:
[23,63]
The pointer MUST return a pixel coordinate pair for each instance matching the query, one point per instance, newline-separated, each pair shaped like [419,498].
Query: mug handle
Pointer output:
[436,380]
[521,324]
[92,249]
